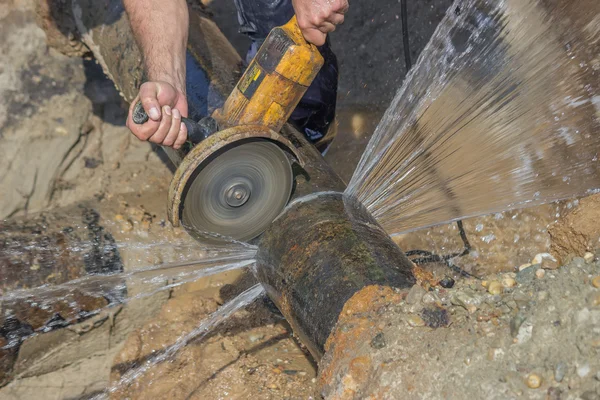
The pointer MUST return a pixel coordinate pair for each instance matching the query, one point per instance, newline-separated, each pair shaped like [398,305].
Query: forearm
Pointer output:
[161,30]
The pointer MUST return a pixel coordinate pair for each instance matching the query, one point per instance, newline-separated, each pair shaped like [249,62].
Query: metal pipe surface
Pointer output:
[322,250]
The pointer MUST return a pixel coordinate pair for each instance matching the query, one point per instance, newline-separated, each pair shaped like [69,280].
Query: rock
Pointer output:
[467,299]
[430,298]
[526,275]
[435,317]
[533,381]
[447,283]
[415,294]
[540,273]
[415,321]
[589,395]
[560,371]
[546,260]
[595,300]
[509,282]
[583,370]
[495,287]
[554,393]
[524,266]
[378,342]
[256,338]
[589,257]
[515,324]
[596,282]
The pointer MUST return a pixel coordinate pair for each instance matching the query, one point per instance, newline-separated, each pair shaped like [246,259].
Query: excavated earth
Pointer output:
[511,334]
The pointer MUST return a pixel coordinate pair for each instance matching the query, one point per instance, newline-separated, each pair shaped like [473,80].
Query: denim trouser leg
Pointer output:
[316,110]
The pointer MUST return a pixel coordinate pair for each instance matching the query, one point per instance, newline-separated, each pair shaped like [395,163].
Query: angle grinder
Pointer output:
[237,176]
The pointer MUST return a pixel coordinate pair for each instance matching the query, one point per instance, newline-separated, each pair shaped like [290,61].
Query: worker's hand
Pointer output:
[316,18]
[165,105]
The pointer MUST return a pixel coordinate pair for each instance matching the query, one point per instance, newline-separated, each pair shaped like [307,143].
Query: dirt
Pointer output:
[252,355]
[465,342]
[577,232]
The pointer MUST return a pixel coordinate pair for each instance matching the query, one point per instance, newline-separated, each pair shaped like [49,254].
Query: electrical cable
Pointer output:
[406,45]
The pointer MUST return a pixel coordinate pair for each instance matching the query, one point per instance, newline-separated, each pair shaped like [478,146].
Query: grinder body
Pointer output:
[274,82]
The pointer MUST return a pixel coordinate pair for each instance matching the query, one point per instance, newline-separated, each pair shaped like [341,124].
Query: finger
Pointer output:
[341,7]
[165,125]
[314,36]
[336,18]
[181,137]
[149,98]
[327,27]
[174,129]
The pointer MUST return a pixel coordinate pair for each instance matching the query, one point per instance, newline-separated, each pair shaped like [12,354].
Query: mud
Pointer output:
[253,355]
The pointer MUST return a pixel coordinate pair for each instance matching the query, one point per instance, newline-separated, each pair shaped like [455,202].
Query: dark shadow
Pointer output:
[107,103]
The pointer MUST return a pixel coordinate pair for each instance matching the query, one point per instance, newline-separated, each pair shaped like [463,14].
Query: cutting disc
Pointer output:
[240,191]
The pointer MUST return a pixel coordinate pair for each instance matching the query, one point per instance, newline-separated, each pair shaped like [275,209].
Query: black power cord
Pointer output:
[424,255]
[404,17]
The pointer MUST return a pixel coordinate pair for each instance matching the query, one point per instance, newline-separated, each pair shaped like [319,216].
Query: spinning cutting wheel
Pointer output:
[240,191]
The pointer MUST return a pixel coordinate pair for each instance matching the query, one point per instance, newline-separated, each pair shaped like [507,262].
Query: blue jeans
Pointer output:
[316,110]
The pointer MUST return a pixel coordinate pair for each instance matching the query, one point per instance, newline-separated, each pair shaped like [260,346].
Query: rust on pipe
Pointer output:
[318,254]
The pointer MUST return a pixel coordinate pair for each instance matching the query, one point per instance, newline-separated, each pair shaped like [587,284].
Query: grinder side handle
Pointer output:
[197,131]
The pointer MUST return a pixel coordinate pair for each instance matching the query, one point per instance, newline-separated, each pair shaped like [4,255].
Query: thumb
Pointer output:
[149,99]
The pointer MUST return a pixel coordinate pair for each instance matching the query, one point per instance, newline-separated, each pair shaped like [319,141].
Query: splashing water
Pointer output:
[143,283]
[222,314]
[62,268]
[501,111]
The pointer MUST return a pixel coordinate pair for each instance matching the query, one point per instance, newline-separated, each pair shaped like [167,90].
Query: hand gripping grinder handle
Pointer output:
[197,131]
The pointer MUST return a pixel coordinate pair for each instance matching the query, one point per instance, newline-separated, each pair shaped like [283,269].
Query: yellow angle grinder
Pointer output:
[238,176]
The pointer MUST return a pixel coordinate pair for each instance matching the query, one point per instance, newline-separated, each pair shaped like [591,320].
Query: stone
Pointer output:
[560,371]
[595,300]
[447,283]
[546,260]
[526,275]
[515,324]
[540,273]
[596,282]
[509,282]
[589,257]
[589,395]
[415,321]
[378,342]
[524,266]
[495,287]
[554,393]
[415,294]
[533,381]
[430,298]
[583,370]
[467,299]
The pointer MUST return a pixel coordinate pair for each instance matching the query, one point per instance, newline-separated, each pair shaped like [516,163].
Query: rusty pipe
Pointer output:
[320,252]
